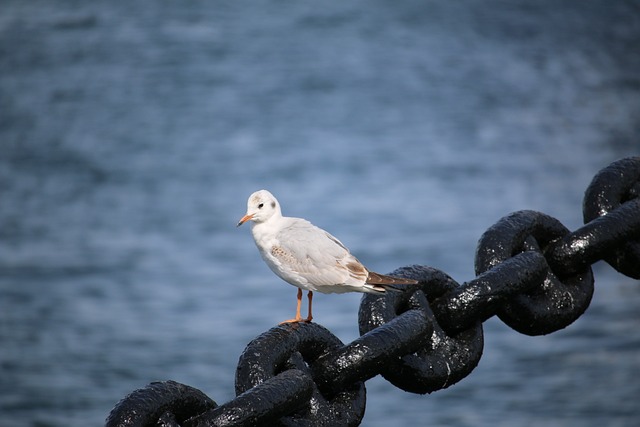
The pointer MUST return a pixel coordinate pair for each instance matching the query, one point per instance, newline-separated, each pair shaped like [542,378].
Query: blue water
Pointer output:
[132,133]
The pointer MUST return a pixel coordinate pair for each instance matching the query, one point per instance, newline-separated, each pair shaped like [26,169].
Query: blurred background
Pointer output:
[132,133]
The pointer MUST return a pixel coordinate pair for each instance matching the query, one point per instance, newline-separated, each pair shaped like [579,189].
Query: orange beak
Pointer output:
[244,219]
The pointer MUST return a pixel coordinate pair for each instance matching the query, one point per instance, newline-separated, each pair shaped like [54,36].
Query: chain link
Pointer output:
[532,272]
[554,303]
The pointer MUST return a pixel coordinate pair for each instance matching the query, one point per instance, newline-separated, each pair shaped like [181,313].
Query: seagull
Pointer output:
[307,256]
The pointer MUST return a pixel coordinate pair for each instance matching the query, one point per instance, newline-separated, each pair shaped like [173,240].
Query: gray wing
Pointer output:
[318,256]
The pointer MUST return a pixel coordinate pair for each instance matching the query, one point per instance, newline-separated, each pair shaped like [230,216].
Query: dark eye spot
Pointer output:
[260,205]
[273,204]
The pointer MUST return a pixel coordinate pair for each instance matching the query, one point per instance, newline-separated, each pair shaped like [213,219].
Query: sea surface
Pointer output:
[132,133]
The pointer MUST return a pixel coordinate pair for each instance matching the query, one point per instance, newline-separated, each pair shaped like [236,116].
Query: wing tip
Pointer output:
[382,279]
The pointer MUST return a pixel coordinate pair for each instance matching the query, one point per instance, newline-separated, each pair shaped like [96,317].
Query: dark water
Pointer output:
[131,134]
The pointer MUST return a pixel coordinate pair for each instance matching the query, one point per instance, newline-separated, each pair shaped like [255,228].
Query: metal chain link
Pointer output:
[532,272]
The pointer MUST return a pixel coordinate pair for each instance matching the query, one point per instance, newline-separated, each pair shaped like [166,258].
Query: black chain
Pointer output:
[532,272]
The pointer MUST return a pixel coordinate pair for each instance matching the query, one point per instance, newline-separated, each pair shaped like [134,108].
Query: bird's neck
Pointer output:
[266,229]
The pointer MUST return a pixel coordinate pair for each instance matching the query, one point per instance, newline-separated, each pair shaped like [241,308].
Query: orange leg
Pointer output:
[310,297]
[298,317]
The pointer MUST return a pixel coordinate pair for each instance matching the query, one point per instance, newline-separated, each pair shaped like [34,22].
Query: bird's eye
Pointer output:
[260,205]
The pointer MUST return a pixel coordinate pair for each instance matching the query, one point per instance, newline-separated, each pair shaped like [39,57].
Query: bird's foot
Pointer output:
[297,320]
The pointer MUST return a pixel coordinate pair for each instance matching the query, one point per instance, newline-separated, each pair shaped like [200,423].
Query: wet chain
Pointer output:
[532,272]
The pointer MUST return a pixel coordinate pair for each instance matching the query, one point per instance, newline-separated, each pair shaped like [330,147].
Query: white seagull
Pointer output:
[307,256]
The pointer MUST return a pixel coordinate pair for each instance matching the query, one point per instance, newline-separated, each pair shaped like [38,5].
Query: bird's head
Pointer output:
[261,206]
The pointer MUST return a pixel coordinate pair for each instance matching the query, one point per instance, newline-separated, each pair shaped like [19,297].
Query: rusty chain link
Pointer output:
[532,272]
